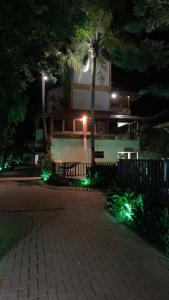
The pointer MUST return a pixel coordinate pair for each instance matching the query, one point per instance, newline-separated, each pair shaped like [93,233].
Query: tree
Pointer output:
[149,142]
[143,45]
[90,41]
[33,33]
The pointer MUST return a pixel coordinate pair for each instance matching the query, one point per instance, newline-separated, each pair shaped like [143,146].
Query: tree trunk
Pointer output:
[93,110]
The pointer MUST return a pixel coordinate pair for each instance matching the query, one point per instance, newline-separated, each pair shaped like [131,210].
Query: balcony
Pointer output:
[120,102]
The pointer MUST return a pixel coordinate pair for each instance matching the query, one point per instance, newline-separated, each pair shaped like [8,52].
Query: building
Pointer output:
[68,120]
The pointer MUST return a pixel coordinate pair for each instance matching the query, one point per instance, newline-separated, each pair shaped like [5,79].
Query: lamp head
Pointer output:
[84,119]
[45,77]
[114,95]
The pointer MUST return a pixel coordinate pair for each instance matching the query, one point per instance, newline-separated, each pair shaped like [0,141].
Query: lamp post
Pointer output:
[44,78]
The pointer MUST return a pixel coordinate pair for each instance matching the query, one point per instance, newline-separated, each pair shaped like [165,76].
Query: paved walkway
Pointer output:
[59,243]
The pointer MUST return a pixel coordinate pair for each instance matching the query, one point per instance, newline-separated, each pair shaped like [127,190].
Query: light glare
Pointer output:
[84,119]
[45,77]
[114,95]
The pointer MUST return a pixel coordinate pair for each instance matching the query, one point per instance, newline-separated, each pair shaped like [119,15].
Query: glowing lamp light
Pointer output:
[120,124]
[45,77]
[45,175]
[84,119]
[114,95]
[85,182]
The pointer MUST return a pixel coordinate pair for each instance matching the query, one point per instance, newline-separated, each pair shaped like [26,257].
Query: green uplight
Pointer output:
[85,181]
[7,165]
[128,212]
[45,175]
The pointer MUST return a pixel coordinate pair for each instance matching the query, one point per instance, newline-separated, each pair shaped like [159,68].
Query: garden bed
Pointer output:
[149,219]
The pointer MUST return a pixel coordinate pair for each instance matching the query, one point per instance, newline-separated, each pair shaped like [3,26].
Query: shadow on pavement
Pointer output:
[17,225]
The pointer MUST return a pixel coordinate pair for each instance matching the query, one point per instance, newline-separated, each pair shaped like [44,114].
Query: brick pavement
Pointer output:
[66,246]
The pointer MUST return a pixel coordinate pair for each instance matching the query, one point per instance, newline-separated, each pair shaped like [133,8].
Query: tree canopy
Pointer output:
[38,35]
[33,32]
[142,44]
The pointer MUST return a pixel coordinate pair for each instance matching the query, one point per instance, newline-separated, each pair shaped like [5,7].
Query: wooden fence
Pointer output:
[75,169]
[146,175]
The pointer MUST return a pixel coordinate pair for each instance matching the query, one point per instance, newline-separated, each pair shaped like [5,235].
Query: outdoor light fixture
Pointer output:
[45,77]
[120,124]
[114,95]
[84,119]
[85,181]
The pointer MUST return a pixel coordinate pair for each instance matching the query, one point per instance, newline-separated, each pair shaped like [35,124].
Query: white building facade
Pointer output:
[68,118]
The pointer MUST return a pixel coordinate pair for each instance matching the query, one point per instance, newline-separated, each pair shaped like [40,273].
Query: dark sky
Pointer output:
[135,81]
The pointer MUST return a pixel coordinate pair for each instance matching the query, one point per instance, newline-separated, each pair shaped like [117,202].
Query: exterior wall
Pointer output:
[55,100]
[102,77]
[81,89]
[78,149]
[82,100]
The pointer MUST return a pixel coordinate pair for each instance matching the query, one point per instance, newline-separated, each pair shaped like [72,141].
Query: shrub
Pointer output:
[124,204]
[58,180]
[46,167]
[149,218]
[103,175]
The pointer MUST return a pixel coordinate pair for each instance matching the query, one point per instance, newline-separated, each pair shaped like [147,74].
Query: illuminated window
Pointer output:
[127,155]
[133,155]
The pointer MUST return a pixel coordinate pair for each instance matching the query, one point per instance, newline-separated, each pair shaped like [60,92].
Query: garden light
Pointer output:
[45,175]
[85,182]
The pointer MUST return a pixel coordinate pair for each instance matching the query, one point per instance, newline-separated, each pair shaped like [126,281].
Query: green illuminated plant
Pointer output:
[85,182]
[46,167]
[46,175]
[124,205]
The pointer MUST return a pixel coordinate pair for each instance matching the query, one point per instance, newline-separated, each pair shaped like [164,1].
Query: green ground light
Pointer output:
[45,175]
[85,181]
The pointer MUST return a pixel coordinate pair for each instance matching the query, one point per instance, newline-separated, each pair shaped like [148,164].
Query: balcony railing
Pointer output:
[77,169]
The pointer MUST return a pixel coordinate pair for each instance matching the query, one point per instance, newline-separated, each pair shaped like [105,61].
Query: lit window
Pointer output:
[127,155]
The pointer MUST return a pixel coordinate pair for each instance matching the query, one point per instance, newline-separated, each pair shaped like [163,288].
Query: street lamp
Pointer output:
[113,95]
[44,78]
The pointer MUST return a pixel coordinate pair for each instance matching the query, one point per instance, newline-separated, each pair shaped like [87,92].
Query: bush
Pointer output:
[124,205]
[102,176]
[58,180]
[149,218]
[46,167]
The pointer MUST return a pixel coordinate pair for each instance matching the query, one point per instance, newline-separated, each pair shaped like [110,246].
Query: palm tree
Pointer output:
[92,43]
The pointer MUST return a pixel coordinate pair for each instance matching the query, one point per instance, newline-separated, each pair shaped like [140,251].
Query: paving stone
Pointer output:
[79,252]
